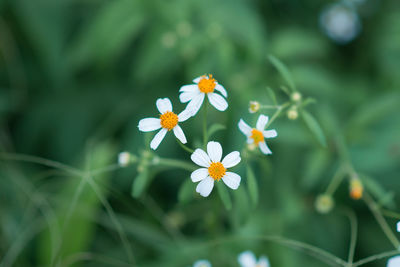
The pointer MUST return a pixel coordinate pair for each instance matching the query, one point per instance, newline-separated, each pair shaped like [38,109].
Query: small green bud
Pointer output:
[296,97]
[324,203]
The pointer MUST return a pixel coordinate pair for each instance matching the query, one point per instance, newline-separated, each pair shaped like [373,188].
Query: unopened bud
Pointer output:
[296,97]
[254,106]
[356,188]
[251,146]
[292,114]
[324,203]
[124,159]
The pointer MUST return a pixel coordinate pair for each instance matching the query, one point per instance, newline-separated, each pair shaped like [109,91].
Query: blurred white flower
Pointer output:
[168,121]
[340,22]
[394,261]
[195,93]
[254,106]
[257,135]
[214,169]
[124,159]
[202,263]
[398,226]
[248,259]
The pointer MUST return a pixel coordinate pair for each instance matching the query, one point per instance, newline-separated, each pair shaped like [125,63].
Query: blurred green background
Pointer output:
[77,76]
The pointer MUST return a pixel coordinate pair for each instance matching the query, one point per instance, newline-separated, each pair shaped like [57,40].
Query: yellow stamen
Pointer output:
[207,85]
[216,170]
[257,136]
[169,120]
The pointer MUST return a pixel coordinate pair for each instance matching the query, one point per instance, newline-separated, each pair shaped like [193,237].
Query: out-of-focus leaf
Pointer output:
[224,195]
[283,71]
[215,128]
[141,182]
[316,164]
[272,95]
[252,186]
[314,127]
[186,191]
[384,197]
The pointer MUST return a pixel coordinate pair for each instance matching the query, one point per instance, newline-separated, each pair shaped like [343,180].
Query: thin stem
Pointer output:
[205,104]
[176,163]
[376,257]
[390,213]
[353,236]
[269,106]
[277,113]
[336,180]
[186,148]
[381,221]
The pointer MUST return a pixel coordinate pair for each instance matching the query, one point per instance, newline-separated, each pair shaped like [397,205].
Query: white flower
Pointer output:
[254,106]
[248,259]
[195,93]
[398,226]
[124,159]
[168,121]
[394,261]
[202,263]
[256,135]
[213,168]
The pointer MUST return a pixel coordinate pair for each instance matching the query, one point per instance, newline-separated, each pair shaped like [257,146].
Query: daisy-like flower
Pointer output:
[202,263]
[257,135]
[214,169]
[168,121]
[394,261]
[248,259]
[195,94]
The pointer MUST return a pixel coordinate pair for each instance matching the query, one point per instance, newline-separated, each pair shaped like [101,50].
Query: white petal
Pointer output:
[202,263]
[261,122]
[214,151]
[158,138]
[232,159]
[195,104]
[164,105]
[187,96]
[264,148]
[247,259]
[201,158]
[189,88]
[263,262]
[184,115]
[394,262]
[205,186]
[232,180]
[179,134]
[221,89]
[398,226]
[217,101]
[149,124]
[270,134]
[244,127]
[199,174]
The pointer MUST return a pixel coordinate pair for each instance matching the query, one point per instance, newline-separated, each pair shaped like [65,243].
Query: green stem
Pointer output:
[353,235]
[176,163]
[270,106]
[381,220]
[390,213]
[376,257]
[336,180]
[277,113]
[205,122]
[184,147]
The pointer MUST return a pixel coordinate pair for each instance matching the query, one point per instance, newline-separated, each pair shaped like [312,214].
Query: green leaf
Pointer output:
[384,197]
[283,71]
[314,127]
[215,128]
[224,195]
[272,95]
[186,191]
[252,186]
[141,182]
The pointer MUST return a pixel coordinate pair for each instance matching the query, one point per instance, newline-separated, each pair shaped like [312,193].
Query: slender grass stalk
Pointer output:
[175,163]
[336,180]
[277,113]
[184,147]
[376,257]
[205,134]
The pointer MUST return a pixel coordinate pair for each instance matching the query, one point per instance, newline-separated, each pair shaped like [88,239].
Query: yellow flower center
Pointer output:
[207,85]
[257,136]
[169,120]
[216,170]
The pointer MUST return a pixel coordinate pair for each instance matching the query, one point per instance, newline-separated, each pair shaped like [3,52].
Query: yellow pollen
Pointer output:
[207,85]
[216,170]
[257,136]
[169,120]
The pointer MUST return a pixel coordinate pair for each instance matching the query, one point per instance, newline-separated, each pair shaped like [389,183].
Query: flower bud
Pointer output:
[356,189]
[251,146]
[293,113]
[296,97]
[324,203]
[254,106]
[124,158]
